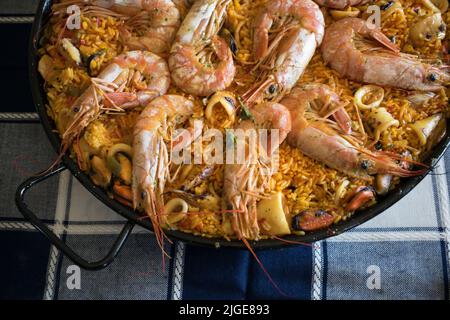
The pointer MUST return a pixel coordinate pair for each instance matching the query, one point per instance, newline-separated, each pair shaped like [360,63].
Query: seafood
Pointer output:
[148,72]
[428,29]
[156,27]
[151,154]
[349,48]
[123,84]
[287,53]
[325,103]
[244,183]
[340,4]
[311,220]
[321,142]
[200,61]
[149,24]
[149,78]
[360,198]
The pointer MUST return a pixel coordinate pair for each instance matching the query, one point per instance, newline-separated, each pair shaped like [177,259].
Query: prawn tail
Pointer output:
[264,270]
[62,151]
[155,211]
[52,166]
[221,48]
[293,242]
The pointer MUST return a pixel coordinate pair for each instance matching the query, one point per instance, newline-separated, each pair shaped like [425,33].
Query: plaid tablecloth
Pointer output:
[401,254]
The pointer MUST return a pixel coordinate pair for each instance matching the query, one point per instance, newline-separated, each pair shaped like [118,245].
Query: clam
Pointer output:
[118,161]
[430,28]
[100,175]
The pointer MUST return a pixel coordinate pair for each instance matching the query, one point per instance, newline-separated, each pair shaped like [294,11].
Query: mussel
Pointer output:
[312,220]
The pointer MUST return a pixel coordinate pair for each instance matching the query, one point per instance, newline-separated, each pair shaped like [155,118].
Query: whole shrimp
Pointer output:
[200,61]
[149,24]
[144,72]
[341,4]
[285,37]
[156,26]
[148,77]
[349,48]
[321,142]
[151,154]
[330,104]
[244,182]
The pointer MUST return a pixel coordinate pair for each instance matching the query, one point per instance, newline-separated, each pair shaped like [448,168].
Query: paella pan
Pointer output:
[243,123]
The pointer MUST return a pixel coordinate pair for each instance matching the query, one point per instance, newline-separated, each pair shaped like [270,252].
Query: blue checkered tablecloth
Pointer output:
[401,254]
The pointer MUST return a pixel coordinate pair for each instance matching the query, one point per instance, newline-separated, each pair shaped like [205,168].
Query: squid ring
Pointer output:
[375,92]
[225,100]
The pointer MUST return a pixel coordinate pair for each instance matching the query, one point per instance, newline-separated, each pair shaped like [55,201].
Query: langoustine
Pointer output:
[349,48]
[149,24]
[283,55]
[318,140]
[200,61]
[244,182]
[147,71]
[151,155]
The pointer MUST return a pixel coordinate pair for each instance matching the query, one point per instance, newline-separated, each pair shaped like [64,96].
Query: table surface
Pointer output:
[401,254]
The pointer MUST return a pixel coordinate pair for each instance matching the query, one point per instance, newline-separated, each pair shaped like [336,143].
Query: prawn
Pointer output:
[146,71]
[321,142]
[361,52]
[156,27]
[151,155]
[285,37]
[149,24]
[326,103]
[244,183]
[200,61]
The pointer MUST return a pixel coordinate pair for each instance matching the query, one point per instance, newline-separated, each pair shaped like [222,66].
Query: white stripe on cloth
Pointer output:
[58,229]
[178,270]
[14,19]
[443,196]
[16,225]
[15,116]
[316,286]
[381,236]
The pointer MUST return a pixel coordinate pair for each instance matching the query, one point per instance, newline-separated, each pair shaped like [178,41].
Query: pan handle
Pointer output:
[54,239]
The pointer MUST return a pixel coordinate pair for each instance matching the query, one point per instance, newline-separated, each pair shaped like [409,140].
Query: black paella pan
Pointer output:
[132,217]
